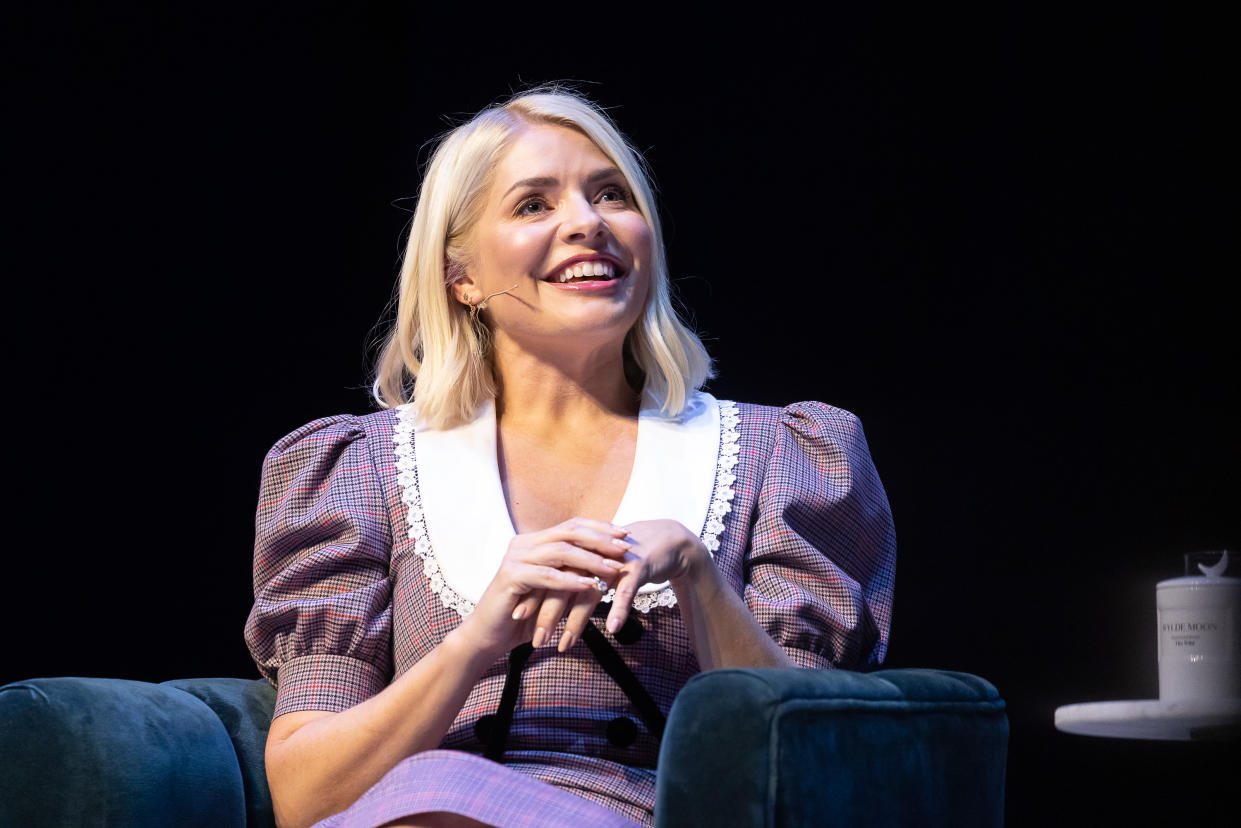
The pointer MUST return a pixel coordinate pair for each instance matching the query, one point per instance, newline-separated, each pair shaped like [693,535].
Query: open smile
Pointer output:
[597,268]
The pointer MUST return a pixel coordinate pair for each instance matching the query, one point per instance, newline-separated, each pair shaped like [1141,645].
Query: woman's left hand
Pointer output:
[663,550]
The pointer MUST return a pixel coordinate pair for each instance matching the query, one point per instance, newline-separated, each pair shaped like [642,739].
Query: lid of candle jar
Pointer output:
[1207,570]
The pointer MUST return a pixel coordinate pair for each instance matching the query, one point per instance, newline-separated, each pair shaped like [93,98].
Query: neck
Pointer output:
[562,389]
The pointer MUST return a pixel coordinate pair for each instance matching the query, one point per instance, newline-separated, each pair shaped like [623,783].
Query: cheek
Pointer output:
[638,240]
[517,248]
[640,243]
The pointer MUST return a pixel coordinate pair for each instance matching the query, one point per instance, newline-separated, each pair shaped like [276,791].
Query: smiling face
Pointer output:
[560,223]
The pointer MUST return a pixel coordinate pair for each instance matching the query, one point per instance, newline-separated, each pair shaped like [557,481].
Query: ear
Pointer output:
[459,282]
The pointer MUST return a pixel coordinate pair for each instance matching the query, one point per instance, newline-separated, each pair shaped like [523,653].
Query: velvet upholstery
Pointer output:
[244,707]
[89,751]
[788,747]
[749,747]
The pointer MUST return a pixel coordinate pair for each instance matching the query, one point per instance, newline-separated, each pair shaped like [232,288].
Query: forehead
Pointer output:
[545,150]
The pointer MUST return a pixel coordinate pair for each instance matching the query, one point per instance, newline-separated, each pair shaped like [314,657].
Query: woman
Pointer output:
[479,606]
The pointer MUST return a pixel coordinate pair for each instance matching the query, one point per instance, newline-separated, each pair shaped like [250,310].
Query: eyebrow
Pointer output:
[549,181]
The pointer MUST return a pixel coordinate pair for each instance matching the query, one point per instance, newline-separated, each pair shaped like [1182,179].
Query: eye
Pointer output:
[614,194]
[532,206]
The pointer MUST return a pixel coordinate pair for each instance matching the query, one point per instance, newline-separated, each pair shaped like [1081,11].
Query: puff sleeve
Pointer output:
[321,626]
[821,562]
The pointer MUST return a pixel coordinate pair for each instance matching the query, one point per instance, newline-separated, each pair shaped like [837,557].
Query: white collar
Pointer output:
[458,514]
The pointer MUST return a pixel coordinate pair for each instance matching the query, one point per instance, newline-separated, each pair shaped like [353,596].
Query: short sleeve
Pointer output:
[822,559]
[321,626]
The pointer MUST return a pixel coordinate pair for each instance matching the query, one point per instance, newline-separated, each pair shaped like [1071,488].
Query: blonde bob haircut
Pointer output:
[435,354]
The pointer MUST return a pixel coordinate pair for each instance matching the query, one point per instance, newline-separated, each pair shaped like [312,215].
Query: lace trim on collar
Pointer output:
[407,477]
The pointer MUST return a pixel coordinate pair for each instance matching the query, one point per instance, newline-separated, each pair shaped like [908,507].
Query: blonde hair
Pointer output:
[435,354]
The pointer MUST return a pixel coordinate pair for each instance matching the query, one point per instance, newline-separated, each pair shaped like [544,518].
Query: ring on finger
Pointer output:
[601,584]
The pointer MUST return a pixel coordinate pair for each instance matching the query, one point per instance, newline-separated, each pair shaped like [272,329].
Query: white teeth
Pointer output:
[586,270]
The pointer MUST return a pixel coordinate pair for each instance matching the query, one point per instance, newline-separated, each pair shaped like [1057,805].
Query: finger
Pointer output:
[590,523]
[600,543]
[526,606]
[562,555]
[626,588]
[588,534]
[530,577]
[523,633]
[583,606]
[550,612]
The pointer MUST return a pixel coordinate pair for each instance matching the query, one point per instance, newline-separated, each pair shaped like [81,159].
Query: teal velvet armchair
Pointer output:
[742,747]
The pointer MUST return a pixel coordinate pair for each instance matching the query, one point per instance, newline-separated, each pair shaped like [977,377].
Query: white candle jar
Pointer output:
[1199,620]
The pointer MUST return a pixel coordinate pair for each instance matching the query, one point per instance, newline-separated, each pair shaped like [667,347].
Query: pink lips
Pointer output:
[592,287]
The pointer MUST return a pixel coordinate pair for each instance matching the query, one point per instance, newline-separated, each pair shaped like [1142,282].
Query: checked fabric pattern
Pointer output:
[342,605]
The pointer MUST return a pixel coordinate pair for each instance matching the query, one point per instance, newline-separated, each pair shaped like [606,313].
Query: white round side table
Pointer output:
[1186,720]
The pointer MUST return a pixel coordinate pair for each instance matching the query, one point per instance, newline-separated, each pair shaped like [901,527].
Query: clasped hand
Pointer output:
[551,574]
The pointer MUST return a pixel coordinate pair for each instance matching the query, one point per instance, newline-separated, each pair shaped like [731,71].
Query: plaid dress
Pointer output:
[346,599]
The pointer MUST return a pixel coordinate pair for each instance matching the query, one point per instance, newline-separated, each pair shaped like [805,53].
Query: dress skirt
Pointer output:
[468,785]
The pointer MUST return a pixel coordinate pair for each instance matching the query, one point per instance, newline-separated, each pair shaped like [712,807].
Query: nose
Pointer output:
[582,220]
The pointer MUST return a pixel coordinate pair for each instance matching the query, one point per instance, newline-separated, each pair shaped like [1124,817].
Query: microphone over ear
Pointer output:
[482,305]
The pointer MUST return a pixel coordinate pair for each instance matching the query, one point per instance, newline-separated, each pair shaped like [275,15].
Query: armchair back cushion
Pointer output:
[244,707]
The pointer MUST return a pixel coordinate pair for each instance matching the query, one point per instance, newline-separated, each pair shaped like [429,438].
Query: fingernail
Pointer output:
[613,625]
[566,641]
[622,543]
[622,531]
[539,635]
[519,613]
[611,564]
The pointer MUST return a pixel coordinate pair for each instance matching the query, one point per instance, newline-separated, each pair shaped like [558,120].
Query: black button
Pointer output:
[484,727]
[622,731]
[630,631]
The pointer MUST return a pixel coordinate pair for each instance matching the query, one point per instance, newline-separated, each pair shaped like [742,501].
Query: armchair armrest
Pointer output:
[90,751]
[776,747]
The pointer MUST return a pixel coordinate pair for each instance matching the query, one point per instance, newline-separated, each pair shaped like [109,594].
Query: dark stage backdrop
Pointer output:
[1005,241]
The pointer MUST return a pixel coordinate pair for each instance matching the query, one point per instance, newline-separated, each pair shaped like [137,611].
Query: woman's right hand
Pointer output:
[543,575]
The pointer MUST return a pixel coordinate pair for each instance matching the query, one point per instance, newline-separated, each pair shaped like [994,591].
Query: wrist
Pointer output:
[700,569]
[459,646]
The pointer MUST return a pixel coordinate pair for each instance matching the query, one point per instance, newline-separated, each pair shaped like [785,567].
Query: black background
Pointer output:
[1006,240]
